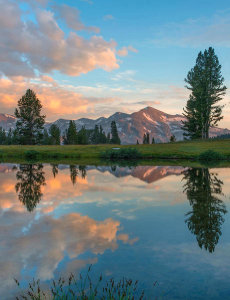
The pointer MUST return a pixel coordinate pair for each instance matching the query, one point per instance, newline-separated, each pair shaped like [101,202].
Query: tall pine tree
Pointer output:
[207,88]
[30,122]
[71,134]
[55,134]
[115,137]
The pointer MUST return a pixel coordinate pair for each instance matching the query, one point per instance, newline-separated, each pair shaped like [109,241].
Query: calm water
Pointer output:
[164,224]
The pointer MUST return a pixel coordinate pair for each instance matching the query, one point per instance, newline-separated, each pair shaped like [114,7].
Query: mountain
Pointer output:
[7,121]
[148,174]
[130,127]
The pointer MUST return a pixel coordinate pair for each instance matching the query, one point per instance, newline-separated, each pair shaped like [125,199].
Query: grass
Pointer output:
[91,154]
[83,288]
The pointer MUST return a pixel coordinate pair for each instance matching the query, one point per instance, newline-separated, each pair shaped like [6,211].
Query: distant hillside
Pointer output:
[131,127]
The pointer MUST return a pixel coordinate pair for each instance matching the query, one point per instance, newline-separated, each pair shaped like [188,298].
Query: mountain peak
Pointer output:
[131,127]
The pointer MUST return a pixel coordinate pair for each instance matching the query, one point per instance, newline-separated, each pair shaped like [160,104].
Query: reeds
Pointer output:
[83,288]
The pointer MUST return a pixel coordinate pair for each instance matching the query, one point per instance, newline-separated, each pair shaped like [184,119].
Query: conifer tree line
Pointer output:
[30,128]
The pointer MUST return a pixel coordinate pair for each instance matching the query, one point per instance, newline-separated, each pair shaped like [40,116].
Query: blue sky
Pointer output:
[107,56]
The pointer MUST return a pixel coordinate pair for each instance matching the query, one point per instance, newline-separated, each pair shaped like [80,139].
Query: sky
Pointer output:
[92,58]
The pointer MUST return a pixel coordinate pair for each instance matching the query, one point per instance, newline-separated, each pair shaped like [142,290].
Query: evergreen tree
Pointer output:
[147,138]
[115,137]
[46,138]
[172,138]
[207,89]
[55,135]
[71,134]
[82,136]
[192,125]
[137,142]
[30,122]
[2,136]
[153,140]
[108,139]
[96,135]
[102,136]
[9,137]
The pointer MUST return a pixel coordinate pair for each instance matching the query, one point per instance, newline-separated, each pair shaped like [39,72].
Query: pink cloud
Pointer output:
[26,45]
[125,50]
[71,16]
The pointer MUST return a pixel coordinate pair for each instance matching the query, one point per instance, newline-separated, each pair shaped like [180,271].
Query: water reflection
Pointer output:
[54,169]
[202,188]
[75,171]
[30,180]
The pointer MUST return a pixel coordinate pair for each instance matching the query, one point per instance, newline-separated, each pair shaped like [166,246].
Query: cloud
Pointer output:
[68,236]
[148,103]
[71,16]
[57,101]
[125,50]
[41,45]
[108,17]
[204,32]
[125,75]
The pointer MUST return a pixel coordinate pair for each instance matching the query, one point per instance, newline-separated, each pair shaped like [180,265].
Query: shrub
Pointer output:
[211,155]
[31,154]
[123,153]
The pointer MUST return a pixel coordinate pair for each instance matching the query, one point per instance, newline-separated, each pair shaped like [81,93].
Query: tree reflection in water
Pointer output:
[74,172]
[30,180]
[206,218]
[54,169]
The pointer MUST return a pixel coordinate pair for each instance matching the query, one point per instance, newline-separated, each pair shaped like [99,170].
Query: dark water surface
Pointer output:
[164,224]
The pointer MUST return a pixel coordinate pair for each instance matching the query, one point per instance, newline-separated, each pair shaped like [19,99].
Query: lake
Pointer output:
[156,224]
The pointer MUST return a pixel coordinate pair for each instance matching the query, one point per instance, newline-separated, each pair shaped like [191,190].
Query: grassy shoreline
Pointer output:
[179,153]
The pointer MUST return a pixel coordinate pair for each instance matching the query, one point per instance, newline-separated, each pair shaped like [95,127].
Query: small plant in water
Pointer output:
[83,288]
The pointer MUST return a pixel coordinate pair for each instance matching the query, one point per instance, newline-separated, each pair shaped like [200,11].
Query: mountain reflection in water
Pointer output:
[57,219]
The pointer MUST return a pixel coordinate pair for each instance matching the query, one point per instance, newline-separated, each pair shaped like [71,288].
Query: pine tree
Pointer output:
[207,89]
[30,122]
[71,134]
[46,138]
[55,134]
[172,138]
[102,136]
[147,138]
[9,137]
[82,136]
[108,138]
[96,135]
[153,140]
[2,136]
[115,137]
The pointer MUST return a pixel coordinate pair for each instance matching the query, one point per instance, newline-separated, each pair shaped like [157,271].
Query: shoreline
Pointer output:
[178,153]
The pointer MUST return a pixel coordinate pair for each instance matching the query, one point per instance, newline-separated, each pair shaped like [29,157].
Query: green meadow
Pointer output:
[92,154]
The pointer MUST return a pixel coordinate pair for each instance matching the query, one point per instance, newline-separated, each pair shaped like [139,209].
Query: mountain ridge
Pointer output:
[131,127]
